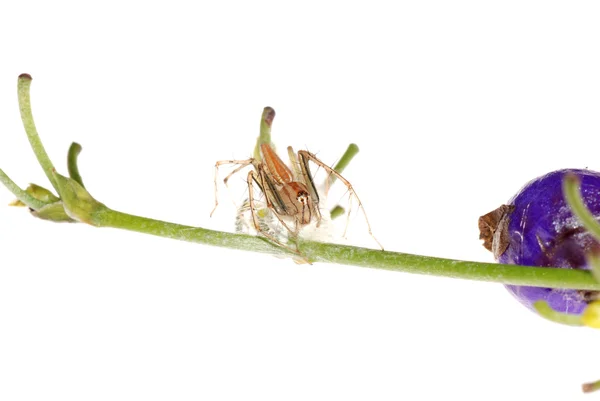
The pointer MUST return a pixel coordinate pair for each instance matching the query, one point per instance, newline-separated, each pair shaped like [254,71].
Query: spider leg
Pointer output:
[305,156]
[310,184]
[294,164]
[257,227]
[273,201]
[241,163]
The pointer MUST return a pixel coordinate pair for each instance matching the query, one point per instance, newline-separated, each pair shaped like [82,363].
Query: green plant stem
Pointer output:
[591,387]
[20,194]
[573,196]
[572,193]
[266,121]
[81,206]
[73,168]
[347,157]
[23,89]
[594,263]
[115,219]
[336,212]
[349,255]
[545,310]
[340,166]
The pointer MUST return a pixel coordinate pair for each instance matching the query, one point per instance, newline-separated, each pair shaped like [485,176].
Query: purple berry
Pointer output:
[537,228]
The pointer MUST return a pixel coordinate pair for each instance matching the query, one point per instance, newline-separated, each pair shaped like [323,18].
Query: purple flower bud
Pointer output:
[537,228]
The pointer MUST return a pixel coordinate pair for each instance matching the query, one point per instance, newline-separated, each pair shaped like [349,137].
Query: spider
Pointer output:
[289,193]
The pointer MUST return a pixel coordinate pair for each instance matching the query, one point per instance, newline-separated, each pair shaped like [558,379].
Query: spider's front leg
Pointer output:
[251,179]
[241,164]
[273,196]
[304,157]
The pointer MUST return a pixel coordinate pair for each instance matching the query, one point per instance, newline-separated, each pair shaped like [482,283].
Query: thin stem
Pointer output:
[266,121]
[340,166]
[545,310]
[81,206]
[572,194]
[21,195]
[591,387]
[396,261]
[347,157]
[336,212]
[115,219]
[73,168]
[23,87]
[593,260]
[349,255]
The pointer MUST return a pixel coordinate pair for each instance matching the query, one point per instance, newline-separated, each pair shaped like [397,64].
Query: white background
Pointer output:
[455,105]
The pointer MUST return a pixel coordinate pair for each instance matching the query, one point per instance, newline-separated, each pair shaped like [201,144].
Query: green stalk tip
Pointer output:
[23,91]
[73,168]
[268,115]
[336,212]
[572,193]
[591,387]
[346,158]
[266,121]
[344,161]
[546,311]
